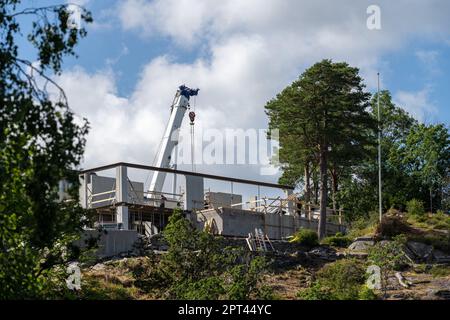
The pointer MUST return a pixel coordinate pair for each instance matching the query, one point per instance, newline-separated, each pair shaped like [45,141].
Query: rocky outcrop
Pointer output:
[361,245]
[323,253]
[440,257]
[419,252]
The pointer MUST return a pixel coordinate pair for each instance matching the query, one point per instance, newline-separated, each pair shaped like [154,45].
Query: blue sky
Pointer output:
[240,54]
[126,52]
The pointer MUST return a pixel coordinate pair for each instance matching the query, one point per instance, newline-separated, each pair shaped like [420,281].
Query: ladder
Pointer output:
[259,241]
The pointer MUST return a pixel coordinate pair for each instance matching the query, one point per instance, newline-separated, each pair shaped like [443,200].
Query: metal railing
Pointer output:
[136,197]
[280,205]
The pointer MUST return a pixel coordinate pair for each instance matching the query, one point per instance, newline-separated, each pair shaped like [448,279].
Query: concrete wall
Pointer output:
[99,184]
[111,243]
[223,199]
[239,223]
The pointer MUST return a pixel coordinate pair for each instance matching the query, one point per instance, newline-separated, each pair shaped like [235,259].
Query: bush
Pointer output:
[440,271]
[197,267]
[306,237]
[388,256]
[391,226]
[438,241]
[440,220]
[340,280]
[415,207]
[95,288]
[364,225]
[338,240]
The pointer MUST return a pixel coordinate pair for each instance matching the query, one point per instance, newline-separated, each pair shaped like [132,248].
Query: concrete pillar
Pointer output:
[85,190]
[290,204]
[194,194]
[122,196]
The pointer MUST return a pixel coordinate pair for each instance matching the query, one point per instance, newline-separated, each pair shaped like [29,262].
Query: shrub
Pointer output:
[338,240]
[95,288]
[388,256]
[391,226]
[306,237]
[364,225]
[440,220]
[415,207]
[197,267]
[340,280]
[367,294]
[440,271]
[438,241]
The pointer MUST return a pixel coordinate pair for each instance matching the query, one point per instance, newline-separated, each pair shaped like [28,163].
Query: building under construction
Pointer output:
[126,209]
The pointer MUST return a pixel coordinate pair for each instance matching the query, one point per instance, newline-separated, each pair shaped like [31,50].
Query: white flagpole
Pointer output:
[380,200]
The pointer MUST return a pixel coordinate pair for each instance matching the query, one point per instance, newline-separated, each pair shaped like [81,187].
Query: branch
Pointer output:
[42,74]
[402,280]
[36,11]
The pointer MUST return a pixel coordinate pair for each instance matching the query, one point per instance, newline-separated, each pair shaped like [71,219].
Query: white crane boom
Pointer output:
[170,138]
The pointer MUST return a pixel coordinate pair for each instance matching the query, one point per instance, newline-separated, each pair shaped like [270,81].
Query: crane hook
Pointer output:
[192,117]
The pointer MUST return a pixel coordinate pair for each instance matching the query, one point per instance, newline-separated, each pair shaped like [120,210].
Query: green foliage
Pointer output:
[392,226]
[440,220]
[440,271]
[427,154]
[388,256]
[366,293]
[96,288]
[415,207]
[437,221]
[306,237]
[415,164]
[338,240]
[437,240]
[40,144]
[340,280]
[321,118]
[416,157]
[197,267]
[364,225]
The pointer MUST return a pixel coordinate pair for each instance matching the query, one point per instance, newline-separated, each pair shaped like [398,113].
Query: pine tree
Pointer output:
[322,116]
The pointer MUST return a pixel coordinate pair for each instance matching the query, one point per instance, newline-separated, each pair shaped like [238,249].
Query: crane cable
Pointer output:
[192,118]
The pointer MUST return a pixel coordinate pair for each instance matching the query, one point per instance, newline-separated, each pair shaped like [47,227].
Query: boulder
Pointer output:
[418,251]
[99,267]
[440,257]
[361,245]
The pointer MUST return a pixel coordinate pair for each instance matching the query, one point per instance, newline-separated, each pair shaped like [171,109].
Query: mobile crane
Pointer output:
[170,139]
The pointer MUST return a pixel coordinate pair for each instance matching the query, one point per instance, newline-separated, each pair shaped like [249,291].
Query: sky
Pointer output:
[241,53]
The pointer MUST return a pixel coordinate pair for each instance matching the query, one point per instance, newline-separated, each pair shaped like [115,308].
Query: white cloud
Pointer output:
[418,104]
[254,49]
[120,130]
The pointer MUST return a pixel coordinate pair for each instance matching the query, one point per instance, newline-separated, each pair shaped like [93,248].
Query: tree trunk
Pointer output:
[323,192]
[316,189]
[307,183]
[334,189]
